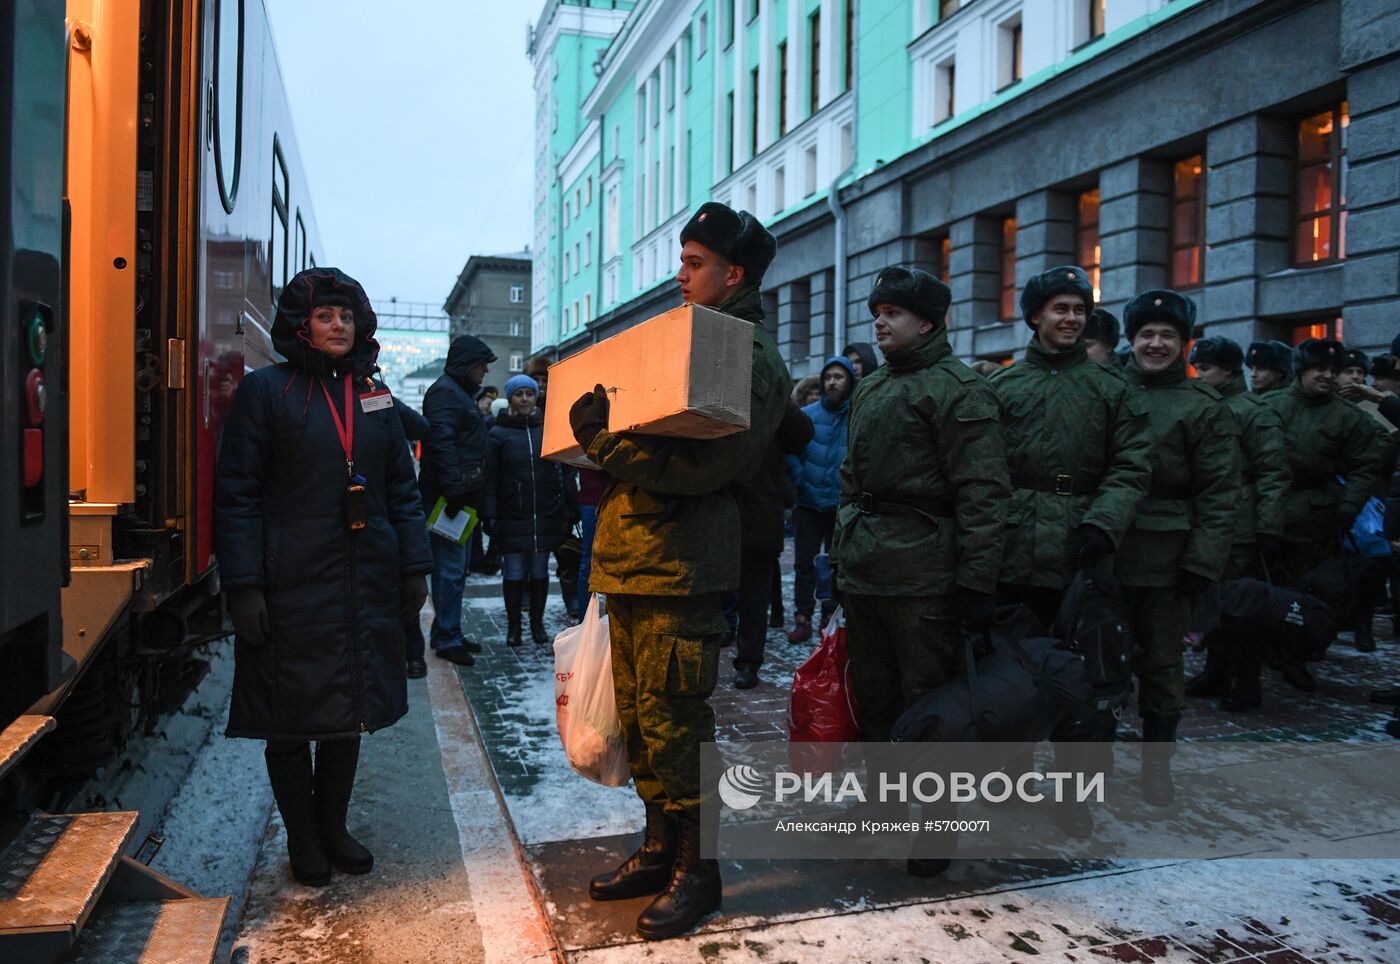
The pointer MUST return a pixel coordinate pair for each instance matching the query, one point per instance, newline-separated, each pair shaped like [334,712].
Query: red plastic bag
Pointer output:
[823,708]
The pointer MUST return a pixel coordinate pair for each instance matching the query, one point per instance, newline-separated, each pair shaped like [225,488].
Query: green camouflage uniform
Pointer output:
[1324,437]
[1263,477]
[926,458]
[666,547]
[1186,523]
[1078,454]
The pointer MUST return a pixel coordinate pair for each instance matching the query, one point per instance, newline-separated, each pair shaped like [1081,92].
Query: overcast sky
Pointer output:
[414,119]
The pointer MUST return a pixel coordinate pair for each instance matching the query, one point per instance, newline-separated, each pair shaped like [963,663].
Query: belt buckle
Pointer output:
[866,503]
[1064,485]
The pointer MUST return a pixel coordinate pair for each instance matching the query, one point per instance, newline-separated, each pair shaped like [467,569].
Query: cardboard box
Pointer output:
[687,373]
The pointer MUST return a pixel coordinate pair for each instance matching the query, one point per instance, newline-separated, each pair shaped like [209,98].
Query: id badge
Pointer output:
[376,401]
[356,505]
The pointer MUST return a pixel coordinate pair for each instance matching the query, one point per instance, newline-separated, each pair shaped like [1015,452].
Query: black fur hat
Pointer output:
[1067,279]
[1383,367]
[1218,350]
[1160,304]
[1355,358]
[1319,353]
[736,236]
[910,288]
[1270,354]
[1103,326]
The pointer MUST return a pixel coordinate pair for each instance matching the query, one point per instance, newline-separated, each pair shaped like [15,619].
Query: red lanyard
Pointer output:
[345,429]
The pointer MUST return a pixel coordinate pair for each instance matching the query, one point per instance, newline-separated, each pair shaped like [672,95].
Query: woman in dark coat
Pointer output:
[530,506]
[322,552]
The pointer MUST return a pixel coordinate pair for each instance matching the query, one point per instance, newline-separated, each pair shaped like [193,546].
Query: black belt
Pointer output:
[1055,484]
[869,505]
[1170,492]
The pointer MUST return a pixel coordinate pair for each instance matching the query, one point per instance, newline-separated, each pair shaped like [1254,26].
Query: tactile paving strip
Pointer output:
[19,736]
[52,873]
[165,931]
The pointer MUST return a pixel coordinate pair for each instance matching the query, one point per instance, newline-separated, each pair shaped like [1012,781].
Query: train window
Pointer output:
[228,97]
[277,248]
[301,243]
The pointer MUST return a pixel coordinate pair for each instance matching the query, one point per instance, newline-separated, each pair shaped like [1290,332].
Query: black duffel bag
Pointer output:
[1015,693]
[1286,621]
[1093,624]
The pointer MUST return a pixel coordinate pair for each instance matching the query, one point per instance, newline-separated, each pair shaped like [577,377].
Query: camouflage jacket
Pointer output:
[1263,464]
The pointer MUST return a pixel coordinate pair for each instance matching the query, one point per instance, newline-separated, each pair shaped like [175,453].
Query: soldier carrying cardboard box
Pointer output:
[666,548]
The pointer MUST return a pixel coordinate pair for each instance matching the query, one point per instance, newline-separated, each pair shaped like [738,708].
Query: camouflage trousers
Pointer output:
[900,648]
[1160,617]
[665,661]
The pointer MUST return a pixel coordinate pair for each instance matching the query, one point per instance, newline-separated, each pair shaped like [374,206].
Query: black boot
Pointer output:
[1158,739]
[648,869]
[1073,817]
[692,892]
[539,592]
[1365,632]
[568,588]
[1214,680]
[336,762]
[1245,693]
[1295,674]
[514,591]
[289,772]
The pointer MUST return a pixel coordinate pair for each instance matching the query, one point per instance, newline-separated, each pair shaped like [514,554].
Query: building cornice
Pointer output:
[650,21]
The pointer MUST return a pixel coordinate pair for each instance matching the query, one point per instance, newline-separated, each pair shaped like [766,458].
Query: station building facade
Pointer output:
[1246,152]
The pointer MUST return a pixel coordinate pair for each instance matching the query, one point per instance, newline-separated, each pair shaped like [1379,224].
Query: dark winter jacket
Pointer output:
[334,662]
[761,495]
[817,471]
[454,452]
[531,502]
[415,426]
[868,360]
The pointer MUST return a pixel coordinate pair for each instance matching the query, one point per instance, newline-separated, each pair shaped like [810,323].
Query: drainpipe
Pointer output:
[833,202]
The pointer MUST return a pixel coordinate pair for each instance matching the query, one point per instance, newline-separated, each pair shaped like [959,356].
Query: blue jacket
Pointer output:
[816,474]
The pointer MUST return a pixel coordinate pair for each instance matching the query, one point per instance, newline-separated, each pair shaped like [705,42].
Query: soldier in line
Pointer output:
[665,550]
[1101,336]
[1232,666]
[1270,366]
[1180,537]
[924,492]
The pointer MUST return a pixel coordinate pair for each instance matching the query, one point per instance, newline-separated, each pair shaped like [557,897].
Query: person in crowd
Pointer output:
[566,558]
[1232,665]
[591,484]
[666,547]
[538,369]
[1371,399]
[530,505]
[415,429]
[1270,366]
[454,470]
[484,398]
[1355,367]
[816,474]
[323,554]
[861,355]
[807,390]
[497,407]
[924,496]
[1101,337]
[1076,447]
[1179,540]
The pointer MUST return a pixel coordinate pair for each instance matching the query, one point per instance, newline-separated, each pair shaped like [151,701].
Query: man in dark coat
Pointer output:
[1232,665]
[454,469]
[568,554]
[861,355]
[1270,366]
[666,548]
[1179,540]
[323,554]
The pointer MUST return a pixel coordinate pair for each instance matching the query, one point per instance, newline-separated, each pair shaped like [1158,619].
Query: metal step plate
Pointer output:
[52,873]
[152,932]
[19,737]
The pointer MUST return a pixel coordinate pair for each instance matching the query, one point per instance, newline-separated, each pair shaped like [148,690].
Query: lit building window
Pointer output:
[1319,231]
[945,260]
[1086,236]
[1187,233]
[1008,269]
[1318,328]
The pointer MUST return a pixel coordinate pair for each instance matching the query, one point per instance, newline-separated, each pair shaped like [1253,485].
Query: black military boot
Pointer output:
[289,772]
[1365,632]
[1214,680]
[514,591]
[926,867]
[648,869]
[1073,817]
[539,592]
[1245,693]
[1158,739]
[336,762]
[692,892]
[1295,674]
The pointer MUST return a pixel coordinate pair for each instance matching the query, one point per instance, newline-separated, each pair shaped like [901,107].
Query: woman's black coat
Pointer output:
[531,502]
[334,661]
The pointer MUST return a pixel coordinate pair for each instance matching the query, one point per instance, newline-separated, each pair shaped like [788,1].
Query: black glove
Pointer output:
[413,592]
[248,608]
[1091,544]
[979,610]
[589,416]
[455,503]
[1191,584]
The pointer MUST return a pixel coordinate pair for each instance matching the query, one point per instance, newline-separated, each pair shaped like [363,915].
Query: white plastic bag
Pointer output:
[585,706]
